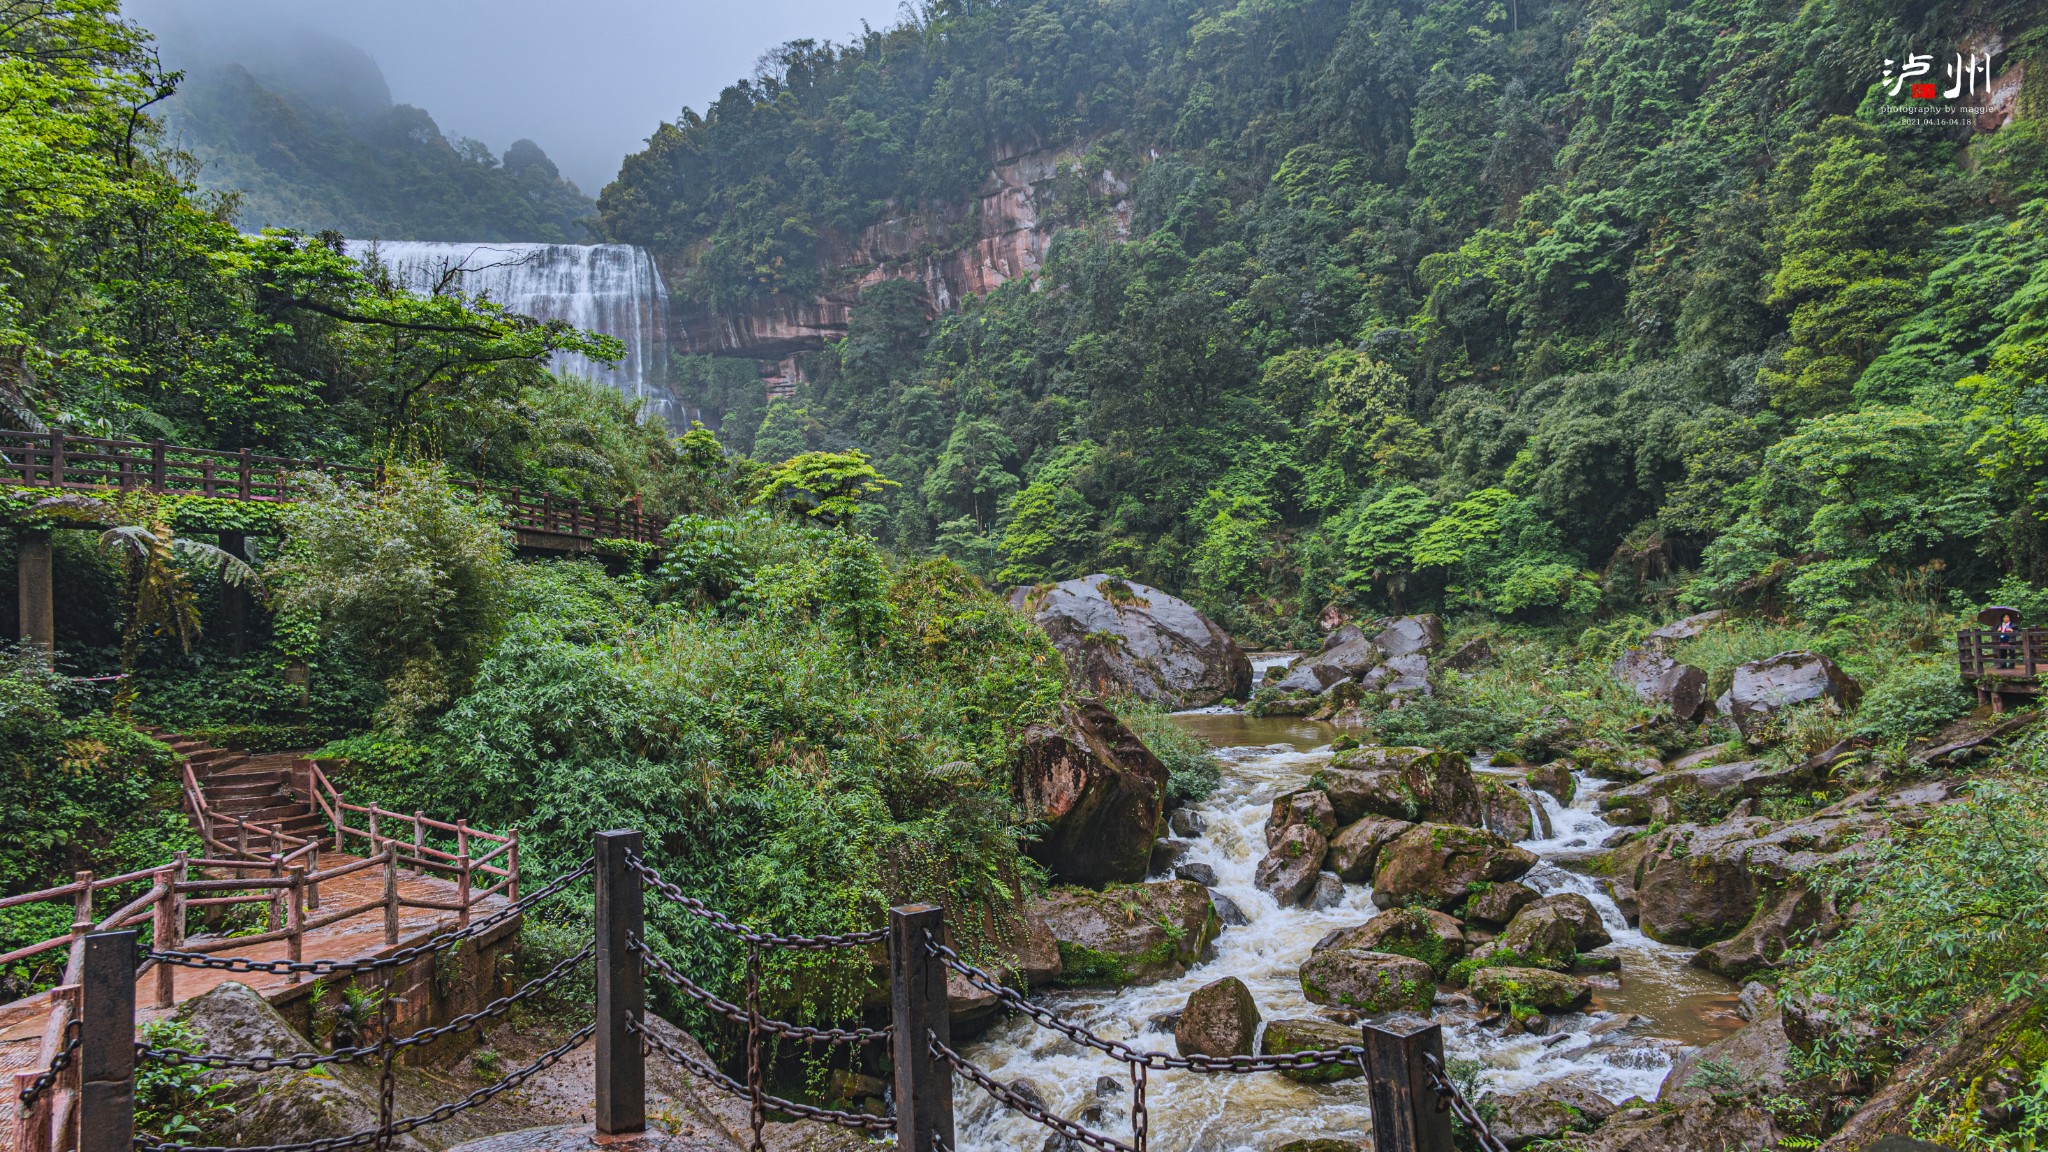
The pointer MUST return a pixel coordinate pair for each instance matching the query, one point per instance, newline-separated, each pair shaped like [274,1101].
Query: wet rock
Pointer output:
[1118,635]
[1327,894]
[1498,903]
[1187,823]
[1704,792]
[1199,873]
[1470,655]
[1436,865]
[1588,930]
[1541,936]
[1504,809]
[1736,1125]
[1687,628]
[1220,1019]
[1288,873]
[1346,654]
[1778,926]
[1321,1144]
[1555,778]
[1128,934]
[1983,1049]
[1399,676]
[1038,953]
[1108,1087]
[1531,987]
[282,1106]
[1764,687]
[1356,850]
[1549,1110]
[1310,806]
[1166,855]
[1756,1000]
[1405,783]
[1307,1034]
[1751,1059]
[1099,792]
[1658,679]
[1227,910]
[1434,938]
[1410,635]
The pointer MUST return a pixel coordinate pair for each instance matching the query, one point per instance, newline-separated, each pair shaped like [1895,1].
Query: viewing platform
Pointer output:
[2002,665]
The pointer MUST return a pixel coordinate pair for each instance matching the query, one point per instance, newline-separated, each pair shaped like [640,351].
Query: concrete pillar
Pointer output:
[38,592]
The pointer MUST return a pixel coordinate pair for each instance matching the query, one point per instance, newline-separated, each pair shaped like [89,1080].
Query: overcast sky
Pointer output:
[587,80]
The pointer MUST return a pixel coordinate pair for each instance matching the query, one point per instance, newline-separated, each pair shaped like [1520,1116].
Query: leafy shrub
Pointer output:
[174,1102]
[1913,699]
[1192,774]
[414,575]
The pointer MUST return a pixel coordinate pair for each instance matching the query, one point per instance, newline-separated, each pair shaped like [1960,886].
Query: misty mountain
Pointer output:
[302,128]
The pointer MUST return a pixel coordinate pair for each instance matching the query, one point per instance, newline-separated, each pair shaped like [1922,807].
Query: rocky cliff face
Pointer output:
[961,251]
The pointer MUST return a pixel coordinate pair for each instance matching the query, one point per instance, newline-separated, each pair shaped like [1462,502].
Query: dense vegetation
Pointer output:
[313,142]
[1535,309]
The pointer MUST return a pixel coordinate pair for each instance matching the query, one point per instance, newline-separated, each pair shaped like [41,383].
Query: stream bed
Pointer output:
[1623,1042]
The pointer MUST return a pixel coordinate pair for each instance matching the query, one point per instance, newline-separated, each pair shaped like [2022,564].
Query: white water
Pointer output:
[1193,1112]
[610,288]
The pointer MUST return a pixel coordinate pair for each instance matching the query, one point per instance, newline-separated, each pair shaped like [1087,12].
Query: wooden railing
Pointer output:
[57,460]
[500,863]
[1982,652]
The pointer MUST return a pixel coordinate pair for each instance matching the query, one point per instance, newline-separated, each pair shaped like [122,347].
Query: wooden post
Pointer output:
[163,936]
[242,475]
[391,892]
[31,1126]
[81,911]
[36,592]
[106,1043]
[376,845]
[419,840]
[278,896]
[295,944]
[462,872]
[917,993]
[621,1097]
[56,458]
[180,872]
[312,885]
[512,869]
[1405,1112]
[547,511]
[159,472]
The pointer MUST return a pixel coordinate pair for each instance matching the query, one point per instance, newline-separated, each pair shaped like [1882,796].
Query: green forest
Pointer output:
[1543,310]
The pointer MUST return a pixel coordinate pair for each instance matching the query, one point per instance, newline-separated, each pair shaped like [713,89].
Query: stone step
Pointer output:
[219,794]
[242,774]
[272,814]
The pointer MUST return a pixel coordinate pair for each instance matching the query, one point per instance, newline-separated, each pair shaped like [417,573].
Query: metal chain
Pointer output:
[1141,1120]
[1017,1103]
[725,1083]
[304,1061]
[58,1064]
[1305,1061]
[738,1015]
[756,1116]
[696,907]
[402,956]
[387,1088]
[481,1096]
[1449,1097]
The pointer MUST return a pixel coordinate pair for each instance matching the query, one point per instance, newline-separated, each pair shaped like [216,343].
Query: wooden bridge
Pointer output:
[325,879]
[58,462]
[2001,666]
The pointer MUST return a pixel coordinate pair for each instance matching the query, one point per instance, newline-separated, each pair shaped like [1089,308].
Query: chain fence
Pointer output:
[1449,1096]
[734,928]
[47,1078]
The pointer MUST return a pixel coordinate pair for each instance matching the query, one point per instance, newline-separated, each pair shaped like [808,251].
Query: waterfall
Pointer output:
[610,288]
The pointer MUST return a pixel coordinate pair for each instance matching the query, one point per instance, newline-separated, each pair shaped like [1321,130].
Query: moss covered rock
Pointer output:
[1530,988]
[1432,937]
[1367,982]
[1306,1034]
[1356,849]
[1220,1019]
[1405,783]
[1127,933]
[1438,865]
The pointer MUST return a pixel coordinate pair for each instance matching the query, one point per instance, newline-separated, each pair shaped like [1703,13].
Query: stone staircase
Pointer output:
[255,786]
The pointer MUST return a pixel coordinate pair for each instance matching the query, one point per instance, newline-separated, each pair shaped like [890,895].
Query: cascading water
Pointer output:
[1622,1043]
[610,288]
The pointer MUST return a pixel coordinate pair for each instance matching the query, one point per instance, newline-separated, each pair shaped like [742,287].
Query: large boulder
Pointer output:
[1346,654]
[1754,1056]
[1288,873]
[1497,904]
[1220,1019]
[1438,865]
[1779,925]
[1120,636]
[1435,938]
[1704,792]
[1399,676]
[1405,783]
[1356,849]
[1548,1111]
[1310,806]
[1736,1124]
[1658,679]
[1393,660]
[1530,988]
[1764,687]
[1693,625]
[1097,789]
[1410,636]
[1551,932]
[1127,934]
[1368,983]
[282,1106]
[1508,810]
[1286,1037]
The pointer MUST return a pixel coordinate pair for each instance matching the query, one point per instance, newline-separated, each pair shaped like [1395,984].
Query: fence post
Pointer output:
[278,896]
[56,458]
[391,892]
[295,944]
[419,840]
[163,935]
[159,473]
[462,872]
[512,869]
[621,1103]
[106,1043]
[917,994]
[1406,1116]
